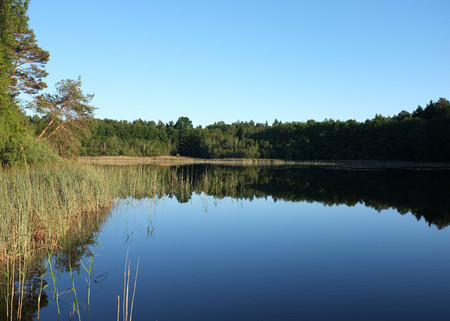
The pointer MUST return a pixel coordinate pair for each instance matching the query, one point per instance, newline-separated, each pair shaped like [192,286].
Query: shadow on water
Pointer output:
[423,194]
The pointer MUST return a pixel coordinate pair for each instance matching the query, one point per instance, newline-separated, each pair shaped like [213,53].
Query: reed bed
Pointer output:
[51,207]
[41,204]
[46,208]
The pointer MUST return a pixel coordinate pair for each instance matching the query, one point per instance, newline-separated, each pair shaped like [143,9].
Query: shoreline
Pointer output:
[337,164]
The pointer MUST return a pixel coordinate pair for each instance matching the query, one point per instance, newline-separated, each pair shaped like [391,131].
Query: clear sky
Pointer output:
[230,60]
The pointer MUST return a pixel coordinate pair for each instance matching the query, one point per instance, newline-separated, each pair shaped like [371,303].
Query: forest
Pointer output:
[420,135]
[40,127]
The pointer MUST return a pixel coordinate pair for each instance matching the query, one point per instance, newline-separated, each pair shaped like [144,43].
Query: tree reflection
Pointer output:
[422,193]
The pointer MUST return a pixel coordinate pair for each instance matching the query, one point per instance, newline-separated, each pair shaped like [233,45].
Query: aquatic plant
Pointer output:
[127,310]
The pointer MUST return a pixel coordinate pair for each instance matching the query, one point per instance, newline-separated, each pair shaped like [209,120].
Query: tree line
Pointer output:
[420,135]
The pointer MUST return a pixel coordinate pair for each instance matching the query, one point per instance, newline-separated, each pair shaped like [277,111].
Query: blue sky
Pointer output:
[244,60]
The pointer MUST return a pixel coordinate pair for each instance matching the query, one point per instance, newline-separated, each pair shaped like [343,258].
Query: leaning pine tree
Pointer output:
[66,115]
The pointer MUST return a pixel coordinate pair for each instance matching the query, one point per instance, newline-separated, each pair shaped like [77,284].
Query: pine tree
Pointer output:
[27,58]
[17,143]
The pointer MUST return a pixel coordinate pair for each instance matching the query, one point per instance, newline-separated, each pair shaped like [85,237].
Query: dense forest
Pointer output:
[63,124]
[421,135]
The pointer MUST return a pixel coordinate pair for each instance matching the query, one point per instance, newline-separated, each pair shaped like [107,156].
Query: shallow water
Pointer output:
[277,244]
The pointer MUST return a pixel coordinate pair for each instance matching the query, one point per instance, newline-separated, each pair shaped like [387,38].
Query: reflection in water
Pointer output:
[28,293]
[424,194]
[23,286]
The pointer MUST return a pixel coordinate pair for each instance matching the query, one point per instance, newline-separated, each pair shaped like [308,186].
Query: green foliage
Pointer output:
[139,138]
[37,151]
[5,62]
[17,142]
[29,61]
[66,116]
[26,59]
[423,135]
[69,104]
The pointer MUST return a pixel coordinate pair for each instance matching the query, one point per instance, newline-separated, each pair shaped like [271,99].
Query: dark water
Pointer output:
[270,244]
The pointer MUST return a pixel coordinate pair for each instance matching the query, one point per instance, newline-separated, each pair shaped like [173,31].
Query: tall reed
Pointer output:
[48,207]
[44,204]
[127,310]
[41,204]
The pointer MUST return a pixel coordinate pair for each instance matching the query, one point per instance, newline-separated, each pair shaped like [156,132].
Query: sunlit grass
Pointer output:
[41,204]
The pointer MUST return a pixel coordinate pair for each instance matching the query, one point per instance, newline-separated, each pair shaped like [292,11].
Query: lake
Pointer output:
[263,243]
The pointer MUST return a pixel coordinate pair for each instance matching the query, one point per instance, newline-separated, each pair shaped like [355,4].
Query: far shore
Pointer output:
[343,164]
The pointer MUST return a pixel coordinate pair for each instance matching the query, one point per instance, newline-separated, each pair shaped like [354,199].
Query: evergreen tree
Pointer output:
[27,58]
[67,113]
[17,143]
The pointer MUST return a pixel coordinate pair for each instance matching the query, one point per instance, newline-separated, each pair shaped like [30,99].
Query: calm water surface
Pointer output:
[274,244]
